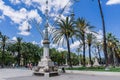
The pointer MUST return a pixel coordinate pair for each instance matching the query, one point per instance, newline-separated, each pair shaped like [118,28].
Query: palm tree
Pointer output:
[19,49]
[116,49]
[3,39]
[81,26]
[98,45]
[89,42]
[64,31]
[104,33]
[112,47]
[78,51]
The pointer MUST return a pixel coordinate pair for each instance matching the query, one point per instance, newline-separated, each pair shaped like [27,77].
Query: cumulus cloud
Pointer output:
[75,45]
[111,2]
[15,1]
[36,43]
[41,43]
[14,38]
[54,6]
[2,17]
[61,49]
[53,45]
[99,35]
[25,33]
[22,16]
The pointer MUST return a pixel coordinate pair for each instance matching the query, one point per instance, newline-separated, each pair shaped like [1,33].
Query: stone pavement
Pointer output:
[20,74]
[10,73]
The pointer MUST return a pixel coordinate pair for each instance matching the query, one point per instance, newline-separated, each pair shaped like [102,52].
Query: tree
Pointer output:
[30,52]
[81,26]
[3,39]
[112,48]
[98,46]
[104,33]
[78,51]
[19,47]
[89,42]
[57,57]
[64,31]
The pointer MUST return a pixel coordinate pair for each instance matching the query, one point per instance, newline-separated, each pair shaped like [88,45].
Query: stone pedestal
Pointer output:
[96,63]
[88,65]
[46,68]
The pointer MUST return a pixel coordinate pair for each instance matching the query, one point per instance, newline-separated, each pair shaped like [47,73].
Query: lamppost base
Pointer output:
[46,68]
[46,74]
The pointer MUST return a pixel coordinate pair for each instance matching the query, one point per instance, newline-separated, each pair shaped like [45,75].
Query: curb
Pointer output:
[94,73]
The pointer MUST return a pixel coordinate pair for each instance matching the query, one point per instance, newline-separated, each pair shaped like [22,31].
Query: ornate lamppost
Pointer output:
[46,66]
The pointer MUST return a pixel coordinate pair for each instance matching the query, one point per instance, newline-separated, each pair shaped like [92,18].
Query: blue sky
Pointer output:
[15,15]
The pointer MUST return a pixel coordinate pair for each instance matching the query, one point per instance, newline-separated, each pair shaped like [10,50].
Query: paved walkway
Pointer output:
[20,74]
[11,73]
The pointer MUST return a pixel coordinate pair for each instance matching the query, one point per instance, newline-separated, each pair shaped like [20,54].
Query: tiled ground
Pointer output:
[20,74]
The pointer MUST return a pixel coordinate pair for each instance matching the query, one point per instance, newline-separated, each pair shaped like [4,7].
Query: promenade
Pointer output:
[24,74]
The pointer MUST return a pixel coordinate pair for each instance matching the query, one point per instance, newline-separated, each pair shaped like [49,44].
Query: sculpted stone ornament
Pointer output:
[96,63]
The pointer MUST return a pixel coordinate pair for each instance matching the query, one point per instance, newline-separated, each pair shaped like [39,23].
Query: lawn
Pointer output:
[95,69]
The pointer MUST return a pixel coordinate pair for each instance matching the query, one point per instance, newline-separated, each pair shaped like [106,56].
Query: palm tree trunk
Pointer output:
[19,56]
[90,55]
[69,54]
[111,57]
[99,54]
[114,57]
[84,60]
[3,55]
[104,34]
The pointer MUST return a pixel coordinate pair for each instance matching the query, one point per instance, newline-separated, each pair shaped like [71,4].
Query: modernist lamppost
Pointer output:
[46,66]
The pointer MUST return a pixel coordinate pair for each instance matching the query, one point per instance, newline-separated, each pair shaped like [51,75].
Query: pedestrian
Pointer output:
[13,65]
[30,66]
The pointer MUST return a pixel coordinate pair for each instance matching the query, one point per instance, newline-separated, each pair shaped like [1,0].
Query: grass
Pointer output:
[96,69]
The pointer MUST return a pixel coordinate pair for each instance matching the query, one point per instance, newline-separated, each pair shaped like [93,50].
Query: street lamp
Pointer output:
[46,66]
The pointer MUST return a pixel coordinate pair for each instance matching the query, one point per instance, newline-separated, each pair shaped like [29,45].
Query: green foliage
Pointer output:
[9,59]
[29,52]
[95,69]
[88,68]
[58,57]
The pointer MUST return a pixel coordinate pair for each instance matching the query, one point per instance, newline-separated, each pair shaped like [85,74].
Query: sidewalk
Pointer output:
[94,73]
[10,73]
[24,74]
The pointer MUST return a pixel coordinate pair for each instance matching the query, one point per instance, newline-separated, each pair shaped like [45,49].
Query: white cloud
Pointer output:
[15,16]
[24,26]
[2,17]
[111,2]
[22,16]
[27,2]
[15,1]
[14,38]
[34,14]
[53,45]
[61,49]
[54,6]
[25,33]
[41,43]
[99,35]
[75,45]
[36,43]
